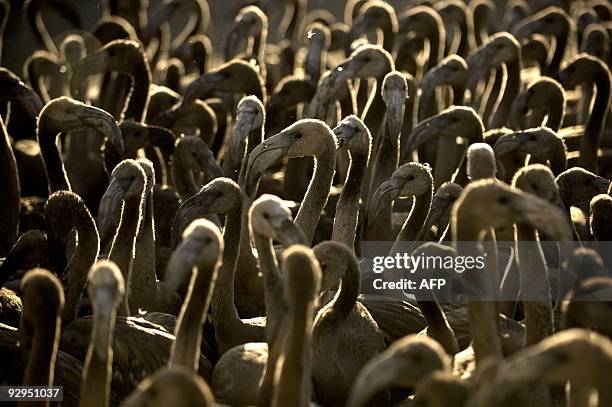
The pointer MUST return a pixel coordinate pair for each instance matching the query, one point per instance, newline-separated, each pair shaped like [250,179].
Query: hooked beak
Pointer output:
[359,27]
[529,366]
[94,63]
[162,13]
[566,80]
[264,156]
[519,111]
[104,124]
[601,184]
[273,102]
[377,375]
[343,134]
[384,194]
[348,69]
[202,85]
[161,137]
[30,102]
[543,216]
[422,133]
[479,63]
[526,29]
[211,168]
[238,32]
[242,129]
[507,144]
[288,233]
[395,115]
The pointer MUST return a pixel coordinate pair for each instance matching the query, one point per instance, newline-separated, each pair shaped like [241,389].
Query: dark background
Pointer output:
[19,42]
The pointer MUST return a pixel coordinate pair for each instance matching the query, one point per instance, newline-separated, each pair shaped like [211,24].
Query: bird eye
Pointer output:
[298,136]
[503,200]
[532,137]
[454,119]
[410,177]
[266,215]
[208,240]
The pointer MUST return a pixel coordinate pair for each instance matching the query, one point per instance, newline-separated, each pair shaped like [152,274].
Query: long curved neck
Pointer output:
[296,25]
[346,297]
[40,31]
[318,191]
[9,194]
[184,181]
[427,107]
[255,138]
[188,333]
[557,57]
[259,47]
[446,160]
[316,61]
[468,38]
[77,269]
[347,208]
[124,247]
[273,286]
[20,123]
[54,166]
[483,314]
[223,308]
[458,94]
[388,37]
[416,219]
[40,368]
[387,157]
[511,90]
[555,113]
[143,282]
[375,113]
[436,48]
[534,285]
[438,326]
[294,386]
[114,88]
[95,391]
[558,159]
[139,96]
[594,128]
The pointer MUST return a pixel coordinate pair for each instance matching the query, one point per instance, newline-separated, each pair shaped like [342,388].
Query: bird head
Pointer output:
[352,134]
[409,180]
[307,137]
[394,93]
[270,217]
[201,246]
[367,61]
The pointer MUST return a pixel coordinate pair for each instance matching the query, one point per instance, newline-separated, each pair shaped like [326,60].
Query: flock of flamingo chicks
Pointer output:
[183,220]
